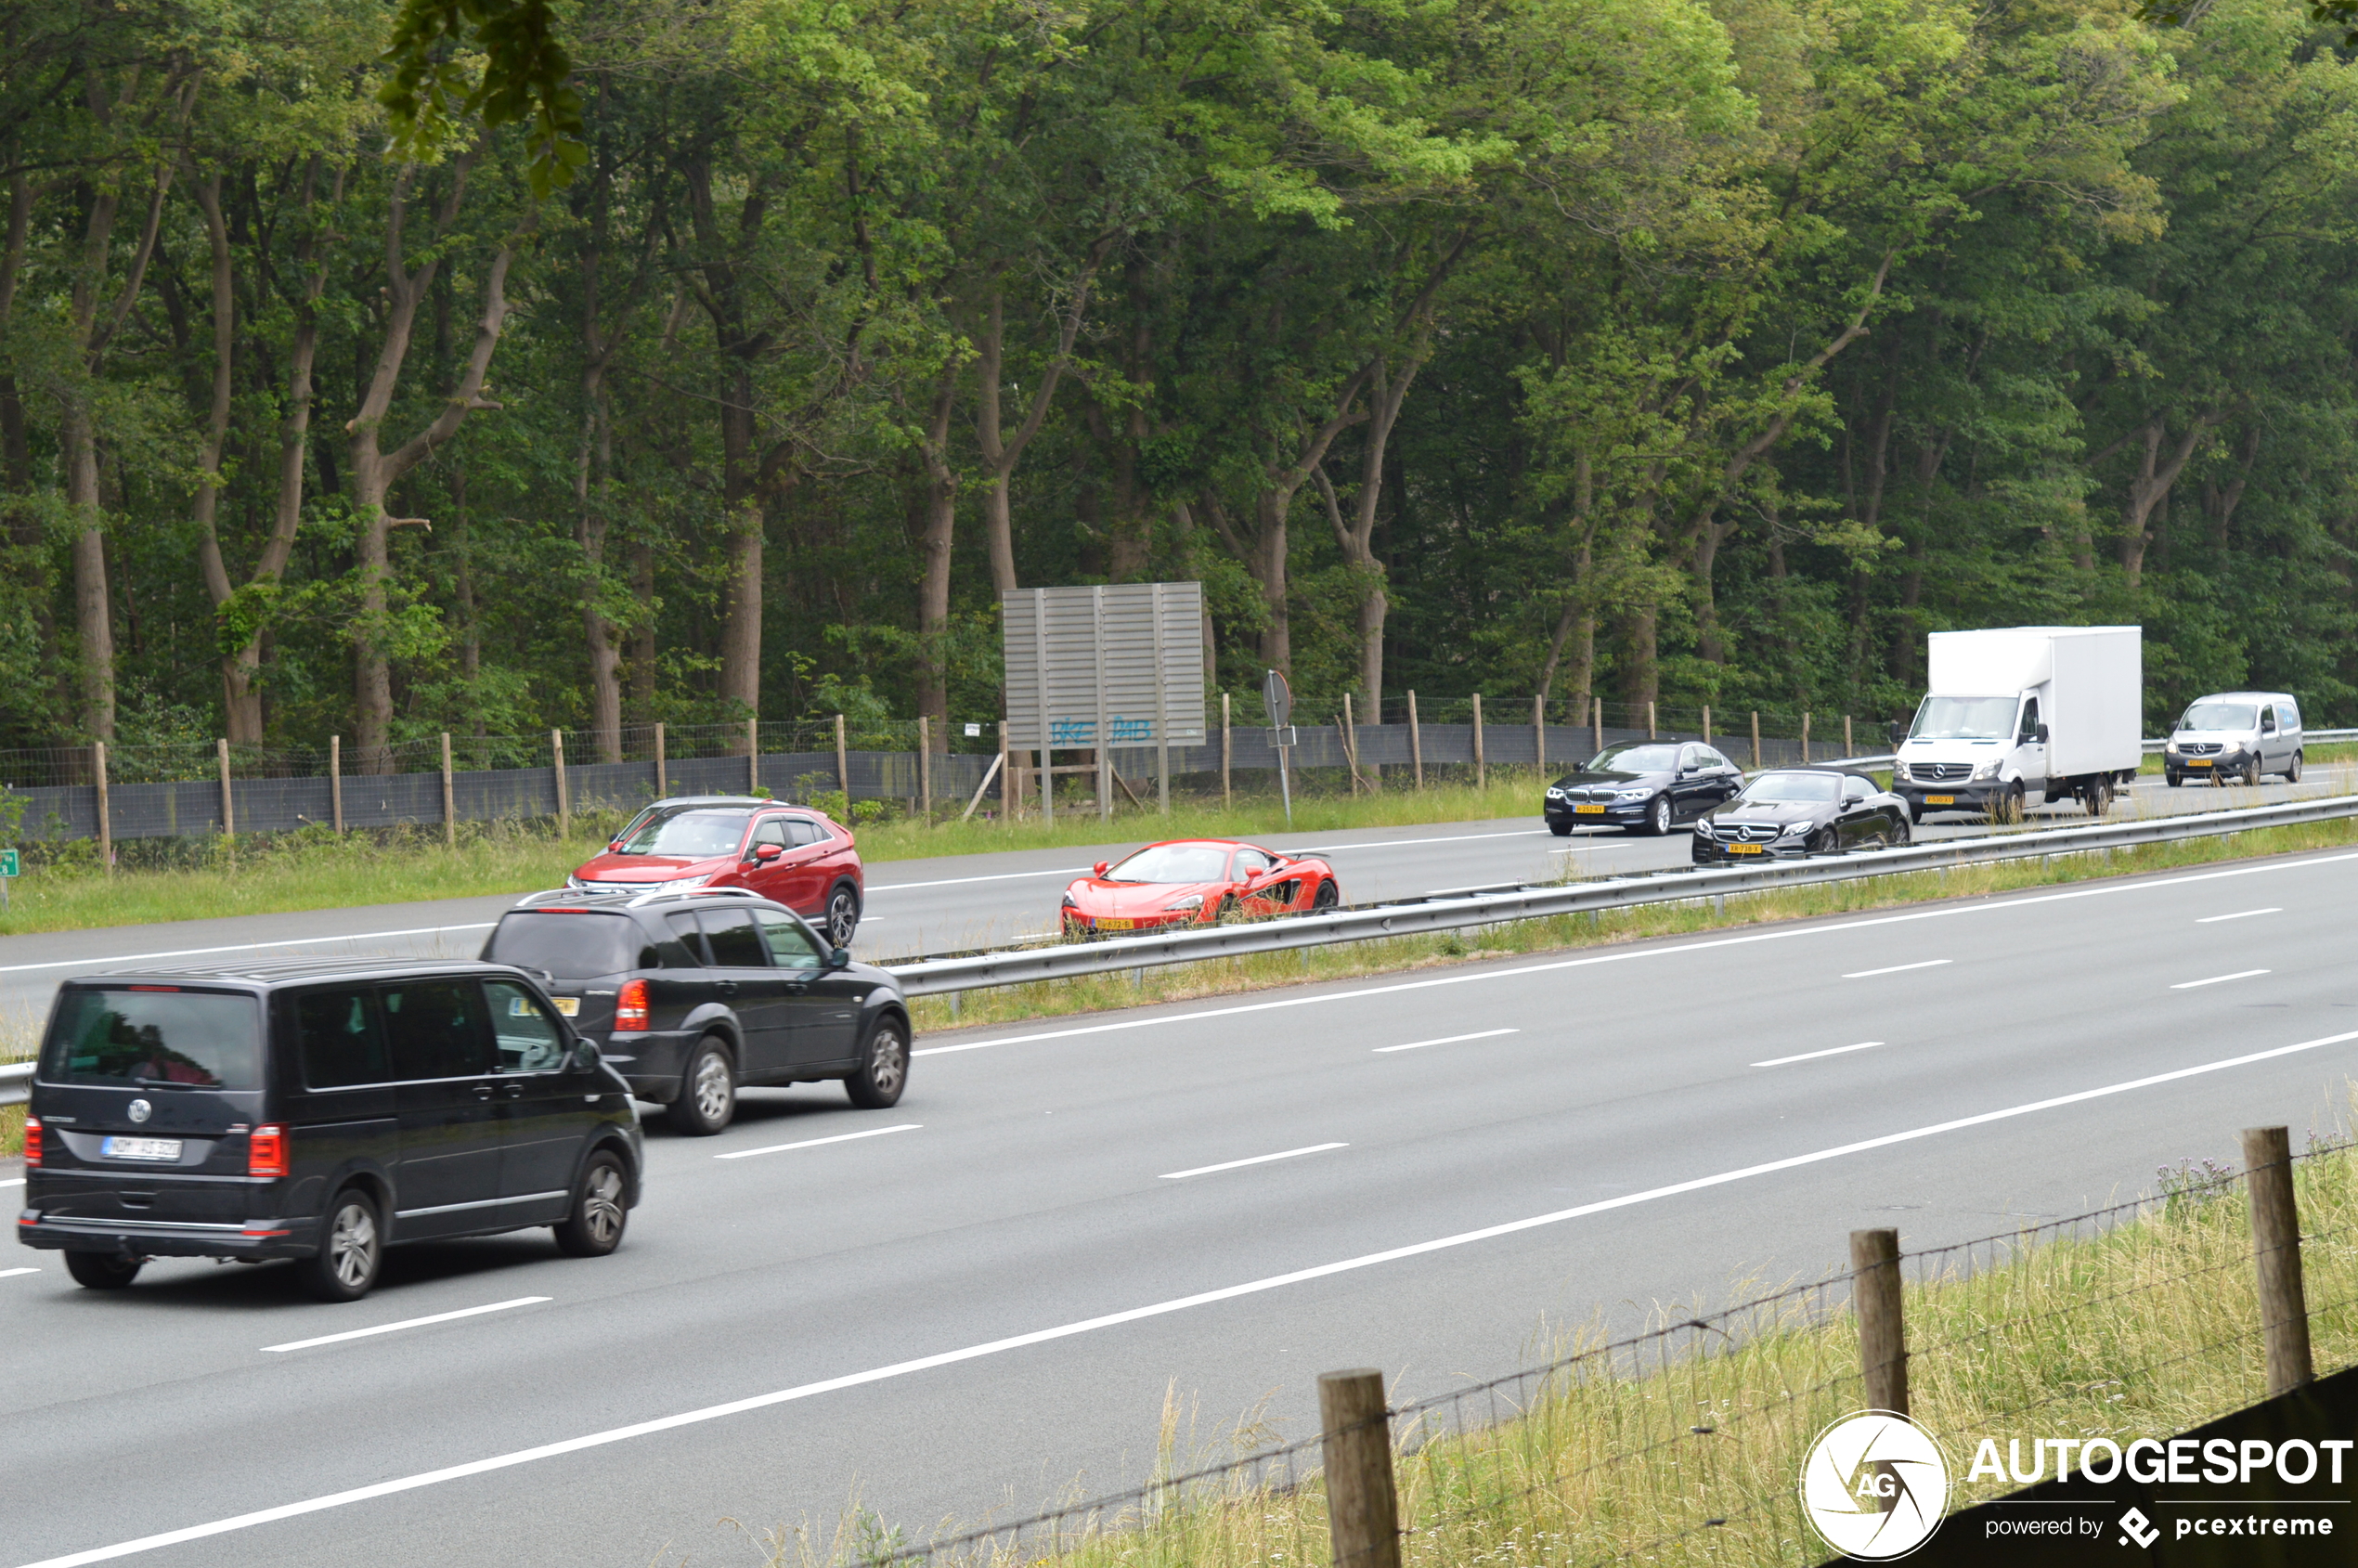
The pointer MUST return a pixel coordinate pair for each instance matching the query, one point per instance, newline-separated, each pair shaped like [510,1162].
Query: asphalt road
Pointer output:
[958,902]
[985,1308]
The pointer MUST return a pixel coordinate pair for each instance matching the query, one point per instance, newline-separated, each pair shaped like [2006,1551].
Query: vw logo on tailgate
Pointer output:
[141,1110]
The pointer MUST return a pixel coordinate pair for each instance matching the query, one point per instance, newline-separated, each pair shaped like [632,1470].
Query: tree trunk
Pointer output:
[2151,483]
[936,537]
[241,707]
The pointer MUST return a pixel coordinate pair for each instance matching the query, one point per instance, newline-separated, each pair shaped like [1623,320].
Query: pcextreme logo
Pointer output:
[1875,1486]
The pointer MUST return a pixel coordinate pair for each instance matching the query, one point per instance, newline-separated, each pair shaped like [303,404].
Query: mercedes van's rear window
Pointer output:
[155,1037]
[572,945]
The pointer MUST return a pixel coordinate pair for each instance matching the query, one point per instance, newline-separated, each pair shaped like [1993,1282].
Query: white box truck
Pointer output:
[2024,715]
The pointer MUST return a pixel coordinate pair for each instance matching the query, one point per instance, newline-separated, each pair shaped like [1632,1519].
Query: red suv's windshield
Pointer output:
[691,832]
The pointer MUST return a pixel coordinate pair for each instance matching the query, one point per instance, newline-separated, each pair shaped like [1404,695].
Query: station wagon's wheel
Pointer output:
[592,1227]
[1327,896]
[842,918]
[884,1066]
[707,1090]
[101,1270]
[352,1249]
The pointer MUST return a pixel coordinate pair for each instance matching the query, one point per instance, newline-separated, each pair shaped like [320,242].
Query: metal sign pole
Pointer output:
[1277,697]
[1039,709]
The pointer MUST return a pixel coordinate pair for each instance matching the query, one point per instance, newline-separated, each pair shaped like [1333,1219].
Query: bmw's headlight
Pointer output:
[1987,770]
[1631,794]
[1555,795]
[1193,900]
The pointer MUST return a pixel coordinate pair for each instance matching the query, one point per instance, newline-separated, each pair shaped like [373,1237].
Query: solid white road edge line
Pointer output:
[408,1323]
[1133,1314]
[1445,1040]
[2238,975]
[1241,1164]
[2239,914]
[814,1142]
[1813,1056]
[249,947]
[1898,968]
[1624,955]
[12,1272]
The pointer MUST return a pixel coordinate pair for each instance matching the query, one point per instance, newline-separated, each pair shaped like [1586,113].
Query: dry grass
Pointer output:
[1686,1448]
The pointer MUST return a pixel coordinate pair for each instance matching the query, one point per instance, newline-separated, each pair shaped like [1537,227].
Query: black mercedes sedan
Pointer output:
[1641,786]
[1794,812]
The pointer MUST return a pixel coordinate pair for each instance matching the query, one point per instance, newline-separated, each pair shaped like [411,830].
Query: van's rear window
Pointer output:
[140,1038]
[576,946]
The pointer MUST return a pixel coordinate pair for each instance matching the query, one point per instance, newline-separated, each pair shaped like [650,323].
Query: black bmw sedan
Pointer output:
[1641,786]
[1796,811]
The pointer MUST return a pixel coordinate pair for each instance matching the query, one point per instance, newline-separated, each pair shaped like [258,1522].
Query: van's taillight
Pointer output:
[31,1142]
[630,1005]
[266,1150]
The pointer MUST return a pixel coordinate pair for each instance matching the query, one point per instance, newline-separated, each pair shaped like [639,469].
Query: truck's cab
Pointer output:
[1973,753]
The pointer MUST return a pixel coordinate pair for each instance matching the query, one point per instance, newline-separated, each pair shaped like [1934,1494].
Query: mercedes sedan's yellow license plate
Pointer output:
[1940,801]
[1589,811]
[1115,925]
[1744,849]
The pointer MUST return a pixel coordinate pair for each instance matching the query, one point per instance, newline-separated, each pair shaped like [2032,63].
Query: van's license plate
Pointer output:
[2197,761]
[1940,801]
[140,1148]
[569,1005]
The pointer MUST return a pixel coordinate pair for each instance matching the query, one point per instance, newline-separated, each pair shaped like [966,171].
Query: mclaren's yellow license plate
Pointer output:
[2197,761]
[1744,849]
[1115,925]
[1588,810]
[1940,801]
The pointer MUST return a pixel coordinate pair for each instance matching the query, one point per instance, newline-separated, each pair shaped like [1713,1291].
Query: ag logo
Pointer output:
[1875,1486]
[141,1110]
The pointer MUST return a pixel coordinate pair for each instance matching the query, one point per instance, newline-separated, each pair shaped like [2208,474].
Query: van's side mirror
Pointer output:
[2043,735]
[1898,733]
[839,958]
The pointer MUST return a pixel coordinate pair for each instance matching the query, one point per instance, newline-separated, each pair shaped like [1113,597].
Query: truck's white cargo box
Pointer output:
[2090,681]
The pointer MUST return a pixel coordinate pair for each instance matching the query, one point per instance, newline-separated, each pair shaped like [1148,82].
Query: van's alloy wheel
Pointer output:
[709,1096]
[593,1226]
[2292,770]
[884,1066]
[352,1247]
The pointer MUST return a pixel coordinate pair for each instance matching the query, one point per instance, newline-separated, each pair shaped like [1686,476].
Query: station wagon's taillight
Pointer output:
[630,1005]
[31,1142]
[266,1150]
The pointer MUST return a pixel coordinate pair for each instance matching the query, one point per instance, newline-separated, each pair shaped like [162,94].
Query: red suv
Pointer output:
[792,855]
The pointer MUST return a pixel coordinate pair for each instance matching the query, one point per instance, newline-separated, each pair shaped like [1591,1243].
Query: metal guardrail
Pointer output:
[2153,749]
[15,1083]
[982,971]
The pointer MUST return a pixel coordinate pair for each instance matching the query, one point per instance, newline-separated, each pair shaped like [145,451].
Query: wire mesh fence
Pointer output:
[1685,1444]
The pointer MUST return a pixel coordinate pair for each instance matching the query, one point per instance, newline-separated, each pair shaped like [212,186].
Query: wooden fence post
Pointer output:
[335,778]
[753,756]
[1416,743]
[449,801]
[229,810]
[1539,729]
[1598,713]
[106,815]
[1706,723]
[565,805]
[1651,731]
[1755,737]
[1226,799]
[1351,743]
[1882,1339]
[1805,738]
[925,771]
[843,769]
[1362,1507]
[1009,796]
[2276,1247]
[1481,771]
[663,784]
[1848,749]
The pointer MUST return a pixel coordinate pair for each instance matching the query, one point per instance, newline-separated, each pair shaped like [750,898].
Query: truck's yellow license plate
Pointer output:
[1940,801]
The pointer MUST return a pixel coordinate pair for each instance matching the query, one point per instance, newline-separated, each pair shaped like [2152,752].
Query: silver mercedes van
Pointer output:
[2239,737]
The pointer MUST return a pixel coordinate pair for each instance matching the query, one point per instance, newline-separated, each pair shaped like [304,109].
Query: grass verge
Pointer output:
[1685,1447]
[1222,977]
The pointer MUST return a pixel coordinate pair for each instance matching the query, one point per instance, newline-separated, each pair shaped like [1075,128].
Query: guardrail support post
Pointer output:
[335,780]
[2276,1245]
[449,803]
[1481,771]
[1416,743]
[1363,1509]
[564,807]
[662,786]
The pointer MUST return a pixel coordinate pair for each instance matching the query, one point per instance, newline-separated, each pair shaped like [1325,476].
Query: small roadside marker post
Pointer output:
[9,869]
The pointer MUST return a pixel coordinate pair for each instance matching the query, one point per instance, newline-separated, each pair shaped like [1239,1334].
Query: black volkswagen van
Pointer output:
[320,1111]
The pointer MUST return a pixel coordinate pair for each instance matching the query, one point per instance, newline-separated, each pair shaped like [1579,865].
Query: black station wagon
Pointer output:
[319,1111]
[696,993]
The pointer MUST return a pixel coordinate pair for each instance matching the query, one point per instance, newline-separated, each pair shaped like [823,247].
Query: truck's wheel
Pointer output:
[2097,797]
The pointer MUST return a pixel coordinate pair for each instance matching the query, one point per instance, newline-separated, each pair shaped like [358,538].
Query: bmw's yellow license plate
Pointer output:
[1940,801]
[1115,925]
[1744,849]
[1588,810]
[2197,761]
